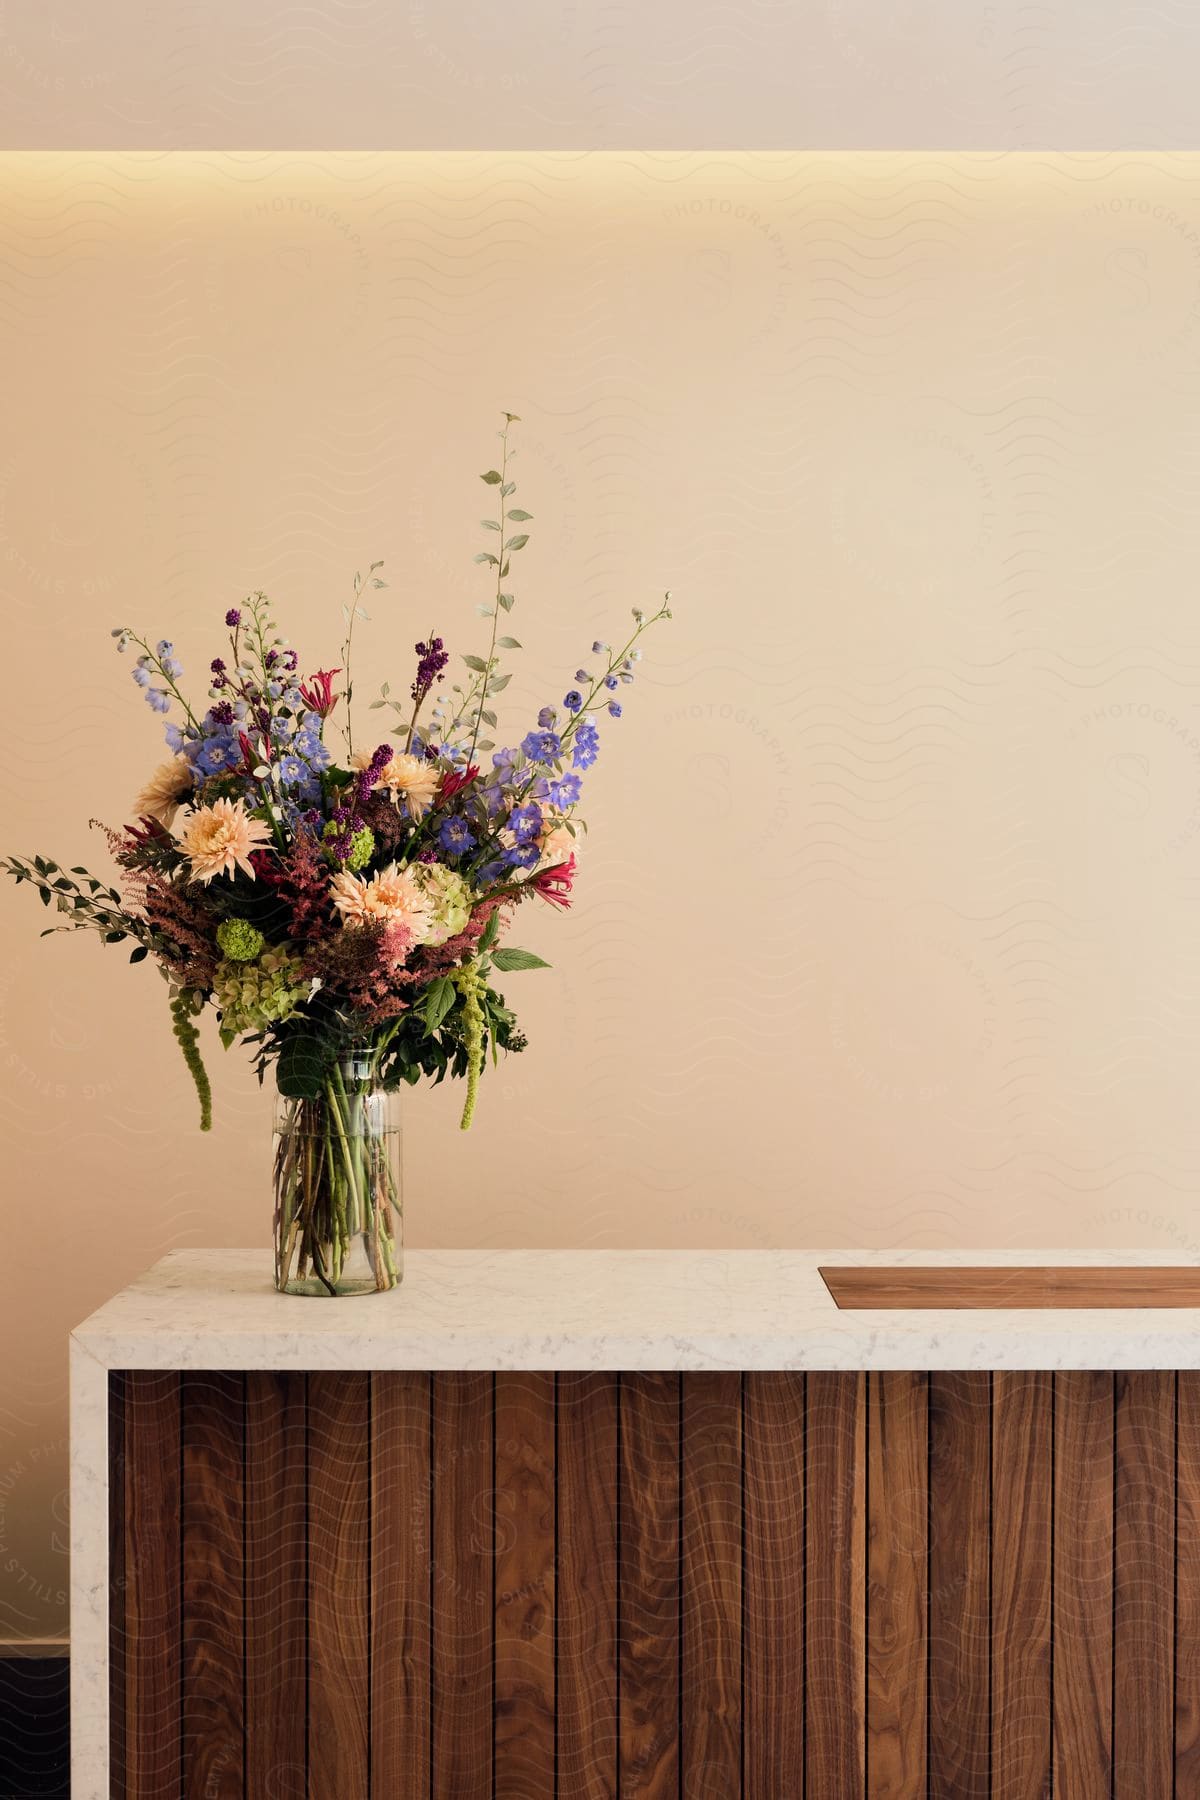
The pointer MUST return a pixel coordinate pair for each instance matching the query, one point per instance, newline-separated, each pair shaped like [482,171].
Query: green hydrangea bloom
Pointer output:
[252,996]
[239,940]
[362,847]
[449,900]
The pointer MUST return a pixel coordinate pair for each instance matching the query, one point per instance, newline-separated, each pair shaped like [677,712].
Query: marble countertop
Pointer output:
[613,1309]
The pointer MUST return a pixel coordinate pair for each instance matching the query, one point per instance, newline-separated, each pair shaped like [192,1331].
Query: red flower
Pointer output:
[554,884]
[249,760]
[454,783]
[317,692]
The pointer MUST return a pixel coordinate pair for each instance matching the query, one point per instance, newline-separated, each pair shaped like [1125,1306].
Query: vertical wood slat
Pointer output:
[1187,1564]
[773,1646]
[339,1599]
[118,1757]
[211,1578]
[401,1566]
[649,1645]
[523,1658]
[153,1645]
[586,1593]
[711,1663]
[960,1427]
[276,1586]
[835,1586]
[462,1587]
[897,1585]
[1022,1412]
[1144,1560]
[1083,1584]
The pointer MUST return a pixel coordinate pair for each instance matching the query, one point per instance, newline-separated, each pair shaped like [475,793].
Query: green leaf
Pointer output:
[506,601]
[517,543]
[477,663]
[140,954]
[301,1071]
[490,931]
[518,959]
[498,683]
[493,477]
[507,643]
[486,556]
[439,998]
[45,894]
[518,513]
[490,524]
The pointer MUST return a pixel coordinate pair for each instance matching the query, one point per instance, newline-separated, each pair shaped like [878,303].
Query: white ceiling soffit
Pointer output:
[599,74]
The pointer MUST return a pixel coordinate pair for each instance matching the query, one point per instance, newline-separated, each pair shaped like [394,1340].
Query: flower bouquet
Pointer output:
[343,909]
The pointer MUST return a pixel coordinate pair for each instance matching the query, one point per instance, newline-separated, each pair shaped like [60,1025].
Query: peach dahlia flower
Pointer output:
[218,839]
[165,791]
[405,777]
[392,897]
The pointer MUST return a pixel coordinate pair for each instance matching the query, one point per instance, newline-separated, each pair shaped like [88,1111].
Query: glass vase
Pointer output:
[338,1218]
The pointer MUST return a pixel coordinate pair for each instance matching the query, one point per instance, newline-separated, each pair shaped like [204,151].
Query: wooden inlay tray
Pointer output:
[962,1289]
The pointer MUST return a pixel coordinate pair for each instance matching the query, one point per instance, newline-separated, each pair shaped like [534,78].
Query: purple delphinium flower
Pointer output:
[525,822]
[573,701]
[547,717]
[141,674]
[292,772]
[610,681]
[233,617]
[598,648]
[160,701]
[456,837]
[522,856]
[614,709]
[586,745]
[541,746]
[565,792]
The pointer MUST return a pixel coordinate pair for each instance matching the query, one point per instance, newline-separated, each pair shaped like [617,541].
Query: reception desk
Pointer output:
[588,1524]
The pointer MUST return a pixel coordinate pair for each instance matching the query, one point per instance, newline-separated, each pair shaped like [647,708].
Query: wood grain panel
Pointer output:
[835,1586]
[649,1641]
[1187,1585]
[1144,1573]
[587,1586]
[960,1442]
[462,1599]
[959,1289]
[897,1585]
[401,1567]
[211,1574]
[153,1648]
[523,1673]
[276,1488]
[1022,1501]
[339,1498]
[600,1587]
[711,1721]
[773,1670]
[1083,1584]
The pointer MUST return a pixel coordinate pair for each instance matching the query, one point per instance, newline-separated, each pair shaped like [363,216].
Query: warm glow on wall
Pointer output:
[892,940]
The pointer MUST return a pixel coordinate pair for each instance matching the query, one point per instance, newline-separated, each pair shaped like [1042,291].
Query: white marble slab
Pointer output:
[542,1309]
[611,1309]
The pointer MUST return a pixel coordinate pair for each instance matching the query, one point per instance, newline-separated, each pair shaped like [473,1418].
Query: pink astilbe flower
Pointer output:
[183,922]
[301,879]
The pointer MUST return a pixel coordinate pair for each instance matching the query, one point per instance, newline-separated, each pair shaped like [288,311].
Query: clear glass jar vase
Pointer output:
[337,1173]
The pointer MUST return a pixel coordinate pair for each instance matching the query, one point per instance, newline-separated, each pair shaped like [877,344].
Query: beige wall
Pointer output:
[887,932]
[576,74]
